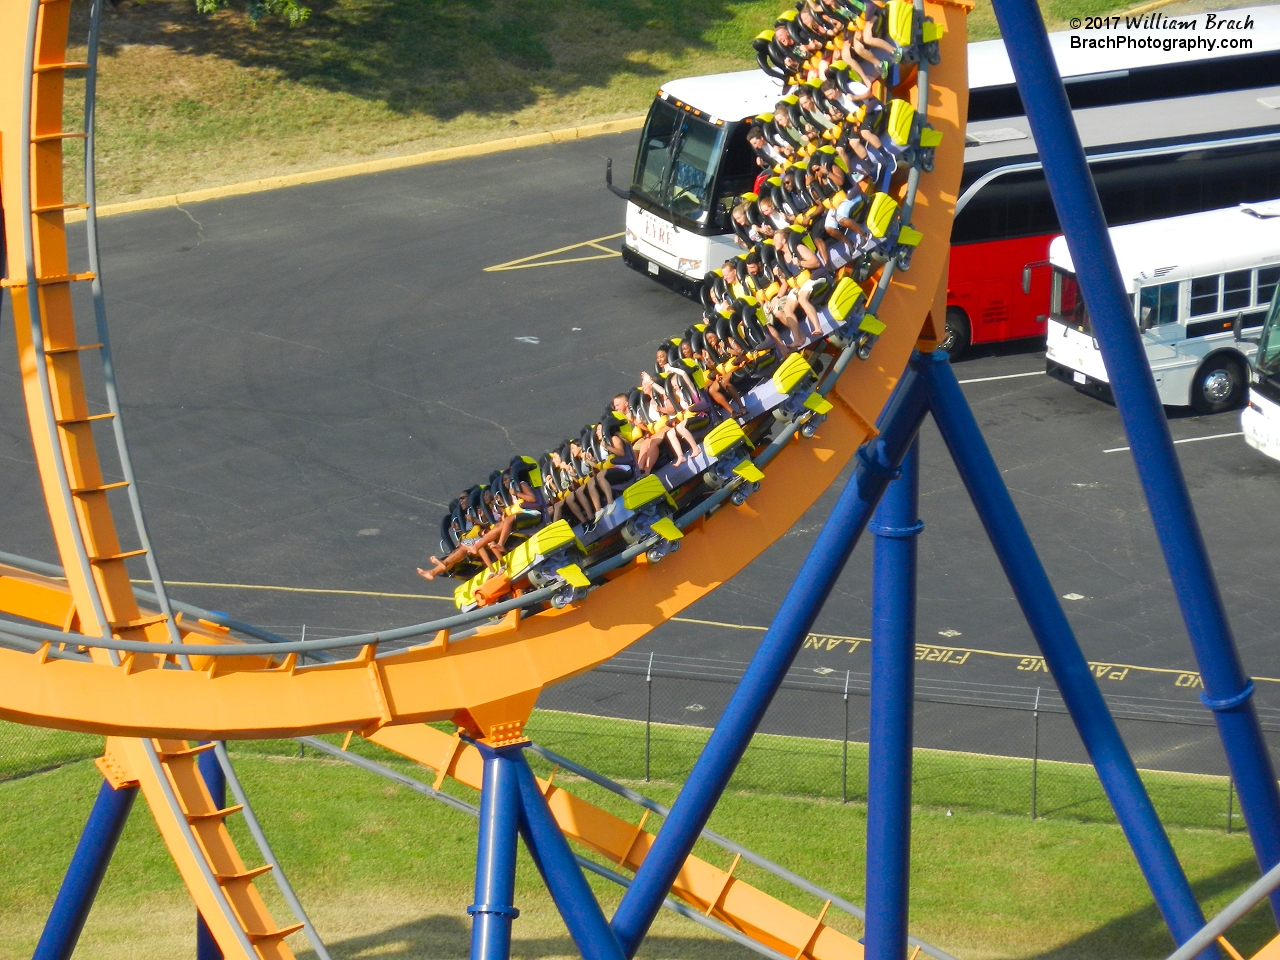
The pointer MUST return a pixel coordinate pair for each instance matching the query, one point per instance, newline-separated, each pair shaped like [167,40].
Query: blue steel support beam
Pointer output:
[1227,689]
[560,871]
[893,651]
[206,946]
[88,865]
[1062,654]
[493,909]
[876,463]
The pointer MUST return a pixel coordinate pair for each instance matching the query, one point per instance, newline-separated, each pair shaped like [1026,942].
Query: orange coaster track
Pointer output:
[487,682]
[490,679]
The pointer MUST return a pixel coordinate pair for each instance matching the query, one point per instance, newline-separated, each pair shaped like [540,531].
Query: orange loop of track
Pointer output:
[485,682]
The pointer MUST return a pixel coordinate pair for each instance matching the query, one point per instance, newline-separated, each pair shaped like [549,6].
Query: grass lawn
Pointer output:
[188,101]
[388,873]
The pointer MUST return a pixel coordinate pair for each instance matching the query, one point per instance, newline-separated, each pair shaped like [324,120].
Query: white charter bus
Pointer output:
[1260,419]
[1192,279]
[693,160]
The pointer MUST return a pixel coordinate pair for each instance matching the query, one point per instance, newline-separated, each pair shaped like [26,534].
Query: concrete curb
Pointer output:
[368,166]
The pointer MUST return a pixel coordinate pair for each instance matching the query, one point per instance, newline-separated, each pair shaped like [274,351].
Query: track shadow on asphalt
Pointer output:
[1007,348]
[443,937]
[1142,933]
[443,58]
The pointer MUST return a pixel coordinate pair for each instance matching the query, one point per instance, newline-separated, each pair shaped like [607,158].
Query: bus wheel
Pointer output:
[1219,385]
[956,340]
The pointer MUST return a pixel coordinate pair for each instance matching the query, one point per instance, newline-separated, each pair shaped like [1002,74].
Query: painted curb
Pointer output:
[369,166]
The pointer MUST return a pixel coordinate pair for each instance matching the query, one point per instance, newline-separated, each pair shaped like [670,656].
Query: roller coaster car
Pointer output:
[915,33]
[728,453]
[648,510]
[549,558]
[796,381]
[895,239]
[912,135]
[645,501]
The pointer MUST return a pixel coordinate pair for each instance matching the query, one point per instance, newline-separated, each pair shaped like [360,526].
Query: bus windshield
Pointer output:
[1267,361]
[1066,305]
[677,161]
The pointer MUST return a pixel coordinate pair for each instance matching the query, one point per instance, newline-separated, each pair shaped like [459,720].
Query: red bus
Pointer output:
[1150,160]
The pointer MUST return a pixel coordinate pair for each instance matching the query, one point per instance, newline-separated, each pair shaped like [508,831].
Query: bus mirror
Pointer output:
[608,180]
[1026,275]
[1237,330]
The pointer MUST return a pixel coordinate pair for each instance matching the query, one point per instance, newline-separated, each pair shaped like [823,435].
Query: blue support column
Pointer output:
[1062,654]
[206,947]
[893,633]
[493,909]
[88,866]
[560,871]
[1227,689]
[876,462]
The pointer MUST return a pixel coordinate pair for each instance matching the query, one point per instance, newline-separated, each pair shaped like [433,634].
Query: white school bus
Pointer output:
[1192,279]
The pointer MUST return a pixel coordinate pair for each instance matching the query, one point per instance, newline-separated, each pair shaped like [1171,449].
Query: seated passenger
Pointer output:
[567,481]
[665,419]
[768,156]
[619,468]
[771,214]
[719,381]
[594,489]
[478,541]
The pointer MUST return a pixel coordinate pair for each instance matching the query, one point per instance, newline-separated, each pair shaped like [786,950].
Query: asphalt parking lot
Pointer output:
[309,374]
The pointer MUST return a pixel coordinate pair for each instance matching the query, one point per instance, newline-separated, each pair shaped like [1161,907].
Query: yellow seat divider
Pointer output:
[792,371]
[900,22]
[723,437]
[843,299]
[880,216]
[667,530]
[930,31]
[930,137]
[748,471]
[574,576]
[551,537]
[871,325]
[645,490]
[909,236]
[818,403]
[901,115]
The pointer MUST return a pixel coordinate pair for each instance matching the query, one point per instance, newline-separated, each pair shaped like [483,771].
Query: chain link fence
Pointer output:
[977,746]
[1011,750]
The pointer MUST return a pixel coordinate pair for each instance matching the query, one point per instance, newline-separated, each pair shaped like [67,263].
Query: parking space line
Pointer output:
[1216,436]
[1007,376]
[526,263]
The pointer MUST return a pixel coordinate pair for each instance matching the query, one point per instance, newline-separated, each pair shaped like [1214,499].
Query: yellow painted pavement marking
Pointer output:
[524,262]
[817,641]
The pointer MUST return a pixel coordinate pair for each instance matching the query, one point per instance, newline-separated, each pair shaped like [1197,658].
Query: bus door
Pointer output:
[1158,314]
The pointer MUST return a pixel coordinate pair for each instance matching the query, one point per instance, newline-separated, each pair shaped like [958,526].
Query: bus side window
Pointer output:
[1157,305]
[1204,295]
[1236,289]
[1267,279]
